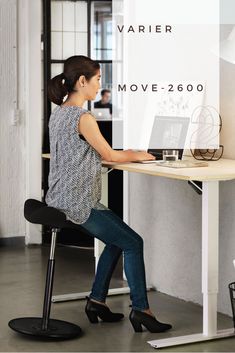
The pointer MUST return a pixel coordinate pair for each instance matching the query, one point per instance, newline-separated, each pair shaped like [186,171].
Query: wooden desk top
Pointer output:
[223,169]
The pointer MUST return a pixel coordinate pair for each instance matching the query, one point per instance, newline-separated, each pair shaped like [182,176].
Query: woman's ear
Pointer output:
[82,80]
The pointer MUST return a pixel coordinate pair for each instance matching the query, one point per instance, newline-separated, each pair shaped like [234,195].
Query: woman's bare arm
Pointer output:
[89,128]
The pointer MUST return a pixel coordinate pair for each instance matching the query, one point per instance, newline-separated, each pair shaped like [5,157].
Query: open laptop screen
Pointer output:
[168,132]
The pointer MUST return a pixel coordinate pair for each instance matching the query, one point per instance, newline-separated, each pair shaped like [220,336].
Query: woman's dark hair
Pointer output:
[62,84]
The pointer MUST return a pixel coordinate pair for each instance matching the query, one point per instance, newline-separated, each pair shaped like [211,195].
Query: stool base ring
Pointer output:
[57,329]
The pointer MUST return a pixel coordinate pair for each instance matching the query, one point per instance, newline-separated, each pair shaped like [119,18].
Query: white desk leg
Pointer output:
[210,246]
[125,208]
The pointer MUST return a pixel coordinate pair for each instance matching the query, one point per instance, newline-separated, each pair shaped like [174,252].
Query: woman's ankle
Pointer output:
[148,311]
[97,301]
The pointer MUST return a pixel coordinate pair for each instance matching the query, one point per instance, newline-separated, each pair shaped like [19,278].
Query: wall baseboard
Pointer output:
[12,241]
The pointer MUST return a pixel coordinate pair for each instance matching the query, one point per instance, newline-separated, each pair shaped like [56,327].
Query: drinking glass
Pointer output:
[170,155]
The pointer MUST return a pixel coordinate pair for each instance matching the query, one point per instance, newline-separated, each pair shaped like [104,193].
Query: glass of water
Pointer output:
[170,155]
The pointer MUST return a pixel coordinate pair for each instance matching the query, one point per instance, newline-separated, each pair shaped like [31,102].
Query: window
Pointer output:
[82,27]
[101,35]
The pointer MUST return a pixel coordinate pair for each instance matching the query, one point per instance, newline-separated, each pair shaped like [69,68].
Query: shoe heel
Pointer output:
[136,325]
[92,317]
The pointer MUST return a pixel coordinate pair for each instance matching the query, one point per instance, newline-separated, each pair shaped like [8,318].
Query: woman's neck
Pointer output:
[75,99]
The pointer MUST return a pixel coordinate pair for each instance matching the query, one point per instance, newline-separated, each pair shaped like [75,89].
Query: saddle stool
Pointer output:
[44,327]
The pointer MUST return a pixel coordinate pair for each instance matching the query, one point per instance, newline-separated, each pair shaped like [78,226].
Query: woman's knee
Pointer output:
[140,241]
[116,250]
[135,242]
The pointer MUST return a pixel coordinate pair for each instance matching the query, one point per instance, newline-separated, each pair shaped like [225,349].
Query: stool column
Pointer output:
[49,281]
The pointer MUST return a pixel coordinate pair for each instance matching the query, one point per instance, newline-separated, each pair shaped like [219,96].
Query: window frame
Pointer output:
[48,61]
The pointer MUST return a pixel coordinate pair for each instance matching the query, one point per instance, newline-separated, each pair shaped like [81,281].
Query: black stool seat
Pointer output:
[39,212]
[44,327]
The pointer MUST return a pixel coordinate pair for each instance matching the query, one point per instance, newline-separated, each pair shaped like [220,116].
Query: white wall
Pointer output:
[12,166]
[20,169]
[167,213]
[30,23]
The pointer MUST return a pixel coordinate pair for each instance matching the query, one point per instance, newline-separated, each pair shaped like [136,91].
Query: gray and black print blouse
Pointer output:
[75,167]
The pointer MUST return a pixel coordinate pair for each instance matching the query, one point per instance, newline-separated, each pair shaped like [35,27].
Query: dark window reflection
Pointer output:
[102,30]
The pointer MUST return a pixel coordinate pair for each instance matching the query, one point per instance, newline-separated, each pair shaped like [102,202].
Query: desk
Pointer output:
[224,169]
[210,176]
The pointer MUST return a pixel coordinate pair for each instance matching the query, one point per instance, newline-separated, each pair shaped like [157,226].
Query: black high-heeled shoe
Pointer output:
[95,310]
[139,318]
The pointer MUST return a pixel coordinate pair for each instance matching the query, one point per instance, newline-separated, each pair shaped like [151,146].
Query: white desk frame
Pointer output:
[210,176]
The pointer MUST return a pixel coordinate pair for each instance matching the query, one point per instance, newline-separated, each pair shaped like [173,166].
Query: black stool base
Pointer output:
[57,329]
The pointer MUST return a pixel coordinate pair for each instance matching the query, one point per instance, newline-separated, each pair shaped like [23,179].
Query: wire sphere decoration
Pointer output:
[208,154]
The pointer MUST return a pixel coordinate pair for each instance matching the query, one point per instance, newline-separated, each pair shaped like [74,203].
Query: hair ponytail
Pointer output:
[57,89]
[75,66]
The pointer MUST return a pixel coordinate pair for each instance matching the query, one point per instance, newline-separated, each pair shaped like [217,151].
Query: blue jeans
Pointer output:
[118,237]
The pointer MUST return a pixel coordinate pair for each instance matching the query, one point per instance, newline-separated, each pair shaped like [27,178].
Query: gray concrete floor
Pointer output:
[22,275]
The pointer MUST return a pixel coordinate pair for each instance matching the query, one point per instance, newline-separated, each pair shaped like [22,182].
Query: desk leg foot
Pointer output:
[199,337]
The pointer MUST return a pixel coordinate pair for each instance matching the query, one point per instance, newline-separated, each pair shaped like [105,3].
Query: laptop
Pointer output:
[102,113]
[168,132]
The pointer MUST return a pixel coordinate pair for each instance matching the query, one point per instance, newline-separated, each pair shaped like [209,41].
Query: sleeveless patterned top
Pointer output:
[75,167]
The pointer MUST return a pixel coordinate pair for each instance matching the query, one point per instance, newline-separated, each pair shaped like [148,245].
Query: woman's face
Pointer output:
[92,86]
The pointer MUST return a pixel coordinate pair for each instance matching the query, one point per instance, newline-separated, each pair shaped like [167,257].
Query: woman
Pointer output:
[77,148]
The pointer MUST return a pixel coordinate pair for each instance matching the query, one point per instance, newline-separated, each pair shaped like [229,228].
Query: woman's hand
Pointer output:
[144,156]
